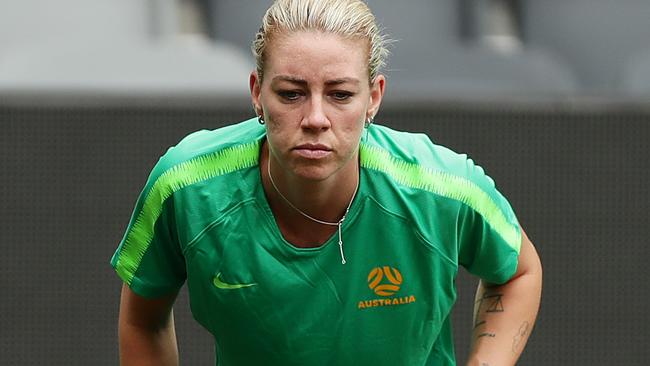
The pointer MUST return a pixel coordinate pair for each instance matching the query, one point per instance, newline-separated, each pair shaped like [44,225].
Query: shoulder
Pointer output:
[205,154]
[225,143]
[413,159]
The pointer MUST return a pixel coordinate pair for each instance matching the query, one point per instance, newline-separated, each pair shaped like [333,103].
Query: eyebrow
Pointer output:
[295,80]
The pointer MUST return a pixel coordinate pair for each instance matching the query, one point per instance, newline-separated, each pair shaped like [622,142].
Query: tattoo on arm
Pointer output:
[494,303]
[488,303]
[520,338]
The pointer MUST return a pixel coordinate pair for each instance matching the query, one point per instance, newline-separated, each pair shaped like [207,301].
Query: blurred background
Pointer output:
[551,97]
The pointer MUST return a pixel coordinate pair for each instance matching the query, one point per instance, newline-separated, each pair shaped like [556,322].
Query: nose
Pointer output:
[315,117]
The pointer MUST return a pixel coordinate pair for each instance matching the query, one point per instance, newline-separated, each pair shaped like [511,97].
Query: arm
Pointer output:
[504,315]
[146,330]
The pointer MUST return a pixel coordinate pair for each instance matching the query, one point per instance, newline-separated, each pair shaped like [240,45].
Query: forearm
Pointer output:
[142,346]
[503,320]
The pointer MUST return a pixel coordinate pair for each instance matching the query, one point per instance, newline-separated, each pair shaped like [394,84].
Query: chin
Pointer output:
[313,173]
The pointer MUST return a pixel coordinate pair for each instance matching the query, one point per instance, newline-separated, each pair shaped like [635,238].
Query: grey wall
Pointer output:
[577,177]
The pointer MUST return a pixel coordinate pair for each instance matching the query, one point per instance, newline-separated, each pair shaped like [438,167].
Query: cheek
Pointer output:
[279,127]
[352,132]
[355,122]
[279,116]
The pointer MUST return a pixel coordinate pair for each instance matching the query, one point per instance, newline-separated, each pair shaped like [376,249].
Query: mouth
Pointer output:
[313,151]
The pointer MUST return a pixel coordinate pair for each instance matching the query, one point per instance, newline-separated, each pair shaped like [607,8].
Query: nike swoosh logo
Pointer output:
[218,283]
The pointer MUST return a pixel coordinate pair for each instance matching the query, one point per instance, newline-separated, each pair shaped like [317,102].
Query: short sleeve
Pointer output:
[489,236]
[149,258]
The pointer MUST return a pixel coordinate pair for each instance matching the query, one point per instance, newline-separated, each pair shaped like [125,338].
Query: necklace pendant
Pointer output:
[338,224]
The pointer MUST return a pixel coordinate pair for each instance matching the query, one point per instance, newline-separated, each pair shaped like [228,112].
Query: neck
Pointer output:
[325,200]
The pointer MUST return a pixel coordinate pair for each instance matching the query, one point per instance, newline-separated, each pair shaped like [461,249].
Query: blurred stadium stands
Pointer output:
[551,97]
[114,52]
[597,38]
[201,47]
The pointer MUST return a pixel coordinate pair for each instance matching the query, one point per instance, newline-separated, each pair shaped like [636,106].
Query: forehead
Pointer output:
[313,55]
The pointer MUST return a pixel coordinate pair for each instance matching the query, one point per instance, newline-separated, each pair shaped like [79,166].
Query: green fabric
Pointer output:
[179,176]
[443,184]
[420,212]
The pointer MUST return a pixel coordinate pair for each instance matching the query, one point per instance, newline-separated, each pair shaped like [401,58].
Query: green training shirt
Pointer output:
[421,211]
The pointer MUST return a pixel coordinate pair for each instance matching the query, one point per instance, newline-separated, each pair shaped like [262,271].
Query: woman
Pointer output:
[311,236]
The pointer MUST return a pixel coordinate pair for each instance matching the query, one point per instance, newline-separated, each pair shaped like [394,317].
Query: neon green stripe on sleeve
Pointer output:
[443,184]
[177,177]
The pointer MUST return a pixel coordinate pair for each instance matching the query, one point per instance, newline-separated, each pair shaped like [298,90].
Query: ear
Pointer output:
[376,95]
[255,87]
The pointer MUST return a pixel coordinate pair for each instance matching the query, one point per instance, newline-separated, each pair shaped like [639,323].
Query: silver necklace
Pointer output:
[337,224]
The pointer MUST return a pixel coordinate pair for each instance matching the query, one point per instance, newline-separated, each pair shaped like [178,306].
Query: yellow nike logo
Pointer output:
[218,283]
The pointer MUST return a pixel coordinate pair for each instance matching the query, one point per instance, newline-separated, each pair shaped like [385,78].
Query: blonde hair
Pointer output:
[347,18]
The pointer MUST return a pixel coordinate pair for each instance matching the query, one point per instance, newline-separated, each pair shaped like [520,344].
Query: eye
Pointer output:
[289,95]
[341,95]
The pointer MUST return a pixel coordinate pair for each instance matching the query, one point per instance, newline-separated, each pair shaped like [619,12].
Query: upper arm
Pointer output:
[529,262]
[146,330]
[137,311]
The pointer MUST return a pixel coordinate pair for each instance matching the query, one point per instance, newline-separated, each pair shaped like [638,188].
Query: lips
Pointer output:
[313,151]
